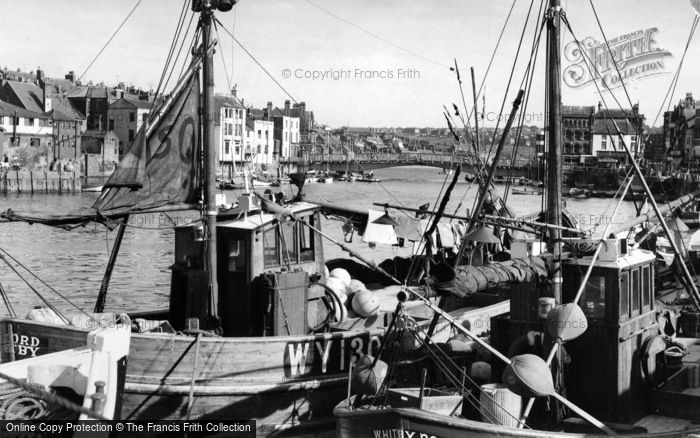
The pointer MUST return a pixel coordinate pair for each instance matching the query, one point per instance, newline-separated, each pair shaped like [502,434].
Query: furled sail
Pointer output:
[467,280]
[160,168]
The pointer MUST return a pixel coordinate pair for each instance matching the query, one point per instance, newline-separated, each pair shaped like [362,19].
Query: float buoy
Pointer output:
[365,303]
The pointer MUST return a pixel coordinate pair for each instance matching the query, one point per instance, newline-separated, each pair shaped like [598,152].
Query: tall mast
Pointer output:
[554,159]
[209,159]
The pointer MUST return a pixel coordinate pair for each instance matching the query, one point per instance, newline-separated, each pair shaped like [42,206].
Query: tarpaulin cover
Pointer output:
[471,279]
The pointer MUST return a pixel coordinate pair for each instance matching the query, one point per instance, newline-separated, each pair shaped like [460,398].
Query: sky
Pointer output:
[386,63]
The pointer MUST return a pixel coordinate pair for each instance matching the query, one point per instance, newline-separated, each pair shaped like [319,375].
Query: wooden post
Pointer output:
[102,295]
[210,161]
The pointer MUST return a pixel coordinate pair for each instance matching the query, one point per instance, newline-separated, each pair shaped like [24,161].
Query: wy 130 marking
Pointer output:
[327,355]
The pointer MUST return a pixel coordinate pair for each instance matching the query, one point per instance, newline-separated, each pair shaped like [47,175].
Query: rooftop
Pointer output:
[7,109]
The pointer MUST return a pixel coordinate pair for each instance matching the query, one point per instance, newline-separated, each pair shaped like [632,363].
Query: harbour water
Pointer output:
[73,261]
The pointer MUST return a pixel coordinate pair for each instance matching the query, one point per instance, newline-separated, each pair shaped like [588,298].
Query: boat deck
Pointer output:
[659,423]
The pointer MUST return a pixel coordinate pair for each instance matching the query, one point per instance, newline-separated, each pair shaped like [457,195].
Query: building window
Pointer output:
[131,134]
[28,122]
[111,124]
[604,142]
[237,150]
[259,134]
[259,148]
[227,147]
[267,149]
[285,123]
[285,136]
[144,117]
[132,116]
[2,120]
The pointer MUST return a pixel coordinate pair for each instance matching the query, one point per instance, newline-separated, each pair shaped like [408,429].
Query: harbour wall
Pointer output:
[39,181]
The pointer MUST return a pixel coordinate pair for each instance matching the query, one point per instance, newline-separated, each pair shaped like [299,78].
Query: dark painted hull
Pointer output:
[411,422]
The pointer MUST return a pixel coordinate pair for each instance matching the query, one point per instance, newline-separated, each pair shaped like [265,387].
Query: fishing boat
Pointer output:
[368,177]
[576,192]
[254,329]
[526,191]
[81,383]
[584,353]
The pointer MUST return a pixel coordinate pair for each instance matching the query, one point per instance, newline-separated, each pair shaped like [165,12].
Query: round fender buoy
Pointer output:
[337,286]
[342,275]
[355,286]
[365,303]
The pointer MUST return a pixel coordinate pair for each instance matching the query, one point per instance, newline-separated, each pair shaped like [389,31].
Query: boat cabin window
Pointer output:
[635,292]
[306,240]
[624,296]
[288,242]
[271,254]
[646,288]
[236,256]
[594,297]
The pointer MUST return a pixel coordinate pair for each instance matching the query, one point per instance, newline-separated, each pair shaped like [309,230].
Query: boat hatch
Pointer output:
[265,268]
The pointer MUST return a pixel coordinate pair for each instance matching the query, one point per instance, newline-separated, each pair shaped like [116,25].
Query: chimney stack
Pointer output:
[268,111]
[41,82]
[70,76]
[286,107]
[233,90]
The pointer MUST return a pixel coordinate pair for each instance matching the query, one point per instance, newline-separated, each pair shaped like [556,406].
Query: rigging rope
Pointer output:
[173,44]
[510,78]
[6,254]
[493,54]
[378,37]
[51,398]
[110,39]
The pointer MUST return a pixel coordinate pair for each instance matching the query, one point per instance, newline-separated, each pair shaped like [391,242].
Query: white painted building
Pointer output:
[606,143]
[286,132]
[230,130]
[260,141]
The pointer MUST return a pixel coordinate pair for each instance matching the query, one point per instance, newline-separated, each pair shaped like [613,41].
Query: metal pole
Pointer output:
[210,159]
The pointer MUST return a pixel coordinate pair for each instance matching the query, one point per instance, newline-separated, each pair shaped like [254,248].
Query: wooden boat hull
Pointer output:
[283,381]
[412,422]
[77,361]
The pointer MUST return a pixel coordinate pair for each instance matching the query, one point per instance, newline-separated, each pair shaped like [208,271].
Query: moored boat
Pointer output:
[525,191]
[85,382]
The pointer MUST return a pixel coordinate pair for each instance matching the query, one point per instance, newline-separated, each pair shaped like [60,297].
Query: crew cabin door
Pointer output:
[235,283]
